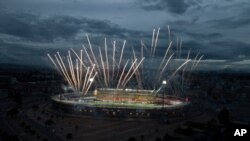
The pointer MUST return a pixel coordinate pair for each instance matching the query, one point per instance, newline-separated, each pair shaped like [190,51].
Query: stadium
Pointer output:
[109,83]
[121,104]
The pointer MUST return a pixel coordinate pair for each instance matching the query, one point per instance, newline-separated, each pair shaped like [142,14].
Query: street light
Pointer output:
[91,79]
[164,83]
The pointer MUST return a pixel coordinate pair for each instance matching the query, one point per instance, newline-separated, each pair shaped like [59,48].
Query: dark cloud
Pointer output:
[37,28]
[229,50]
[173,6]
[218,29]
[33,28]
[204,36]
[27,38]
[231,22]
[21,54]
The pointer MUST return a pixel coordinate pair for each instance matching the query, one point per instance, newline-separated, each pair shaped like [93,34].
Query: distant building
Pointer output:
[7,82]
[8,85]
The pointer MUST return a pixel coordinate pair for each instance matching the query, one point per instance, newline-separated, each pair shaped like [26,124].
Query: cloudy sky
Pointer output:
[219,29]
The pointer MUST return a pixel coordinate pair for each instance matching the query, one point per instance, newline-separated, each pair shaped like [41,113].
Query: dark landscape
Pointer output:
[27,113]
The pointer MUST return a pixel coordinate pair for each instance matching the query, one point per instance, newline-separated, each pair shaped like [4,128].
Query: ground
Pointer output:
[38,120]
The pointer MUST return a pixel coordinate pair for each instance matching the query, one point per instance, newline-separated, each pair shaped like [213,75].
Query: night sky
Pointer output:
[219,29]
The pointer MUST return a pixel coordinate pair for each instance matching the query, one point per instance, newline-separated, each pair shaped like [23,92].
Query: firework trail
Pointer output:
[74,72]
[112,69]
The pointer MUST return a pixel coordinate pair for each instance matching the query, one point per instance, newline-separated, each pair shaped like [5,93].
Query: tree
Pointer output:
[223,116]
[69,136]
[35,107]
[142,137]
[132,139]
[49,122]
[12,112]
[158,139]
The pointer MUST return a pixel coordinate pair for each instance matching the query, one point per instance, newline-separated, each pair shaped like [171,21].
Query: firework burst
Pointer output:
[112,69]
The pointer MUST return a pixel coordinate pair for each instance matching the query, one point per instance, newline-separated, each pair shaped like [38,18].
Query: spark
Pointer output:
[130,69]
[156,40]
[73,72]
[123,46]
[152,44]
[137,66]
[179,69]
[107,60]
[123,70]
[103,67]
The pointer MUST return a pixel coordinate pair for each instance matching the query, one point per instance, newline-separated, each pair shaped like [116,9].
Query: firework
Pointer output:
[153,78]
[112,69]
[117,74]
[74,72]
